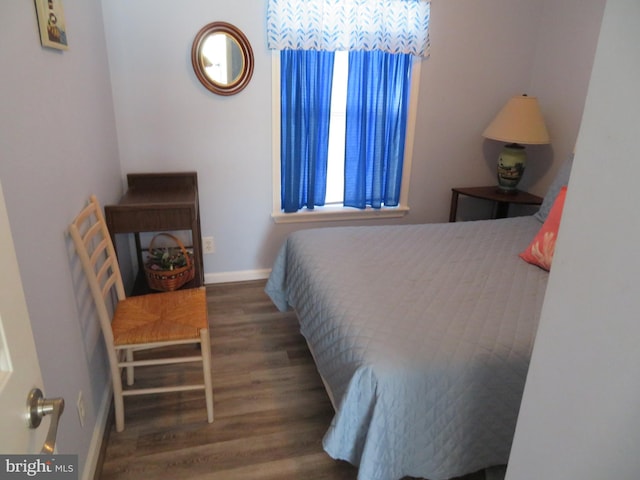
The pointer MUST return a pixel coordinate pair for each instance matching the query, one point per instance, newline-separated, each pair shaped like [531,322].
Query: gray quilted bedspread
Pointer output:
[422,334]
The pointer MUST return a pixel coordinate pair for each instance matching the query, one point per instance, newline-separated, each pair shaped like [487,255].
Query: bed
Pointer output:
[422,335]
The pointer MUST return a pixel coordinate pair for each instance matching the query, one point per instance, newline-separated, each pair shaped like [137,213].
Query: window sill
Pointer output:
[330,213]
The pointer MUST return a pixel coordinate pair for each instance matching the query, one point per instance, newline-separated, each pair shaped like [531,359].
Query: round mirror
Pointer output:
[222,58]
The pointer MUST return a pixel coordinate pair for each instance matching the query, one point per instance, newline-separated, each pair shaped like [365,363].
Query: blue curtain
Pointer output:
[305,108]
[377,105]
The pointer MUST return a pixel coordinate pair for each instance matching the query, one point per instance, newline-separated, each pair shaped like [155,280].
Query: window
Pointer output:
[333,201]
[373,31]
[337,118]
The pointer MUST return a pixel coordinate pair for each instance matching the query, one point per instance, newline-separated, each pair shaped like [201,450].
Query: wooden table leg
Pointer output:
[502,209]
[453,211]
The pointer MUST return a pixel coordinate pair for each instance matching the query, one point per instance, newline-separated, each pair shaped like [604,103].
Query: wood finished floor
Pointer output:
[271,409]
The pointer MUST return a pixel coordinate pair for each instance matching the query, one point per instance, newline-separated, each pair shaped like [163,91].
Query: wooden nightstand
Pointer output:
[157,202]
[502,200]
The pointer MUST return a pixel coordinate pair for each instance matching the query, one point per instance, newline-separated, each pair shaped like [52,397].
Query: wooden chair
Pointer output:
[139,323]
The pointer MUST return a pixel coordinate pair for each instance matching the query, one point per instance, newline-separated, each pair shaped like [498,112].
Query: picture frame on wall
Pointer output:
[51,23]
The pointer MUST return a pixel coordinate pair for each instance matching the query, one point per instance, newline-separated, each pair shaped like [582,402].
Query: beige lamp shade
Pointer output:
[519,121]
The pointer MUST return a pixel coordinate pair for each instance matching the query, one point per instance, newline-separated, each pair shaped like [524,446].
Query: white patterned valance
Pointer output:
[394,26]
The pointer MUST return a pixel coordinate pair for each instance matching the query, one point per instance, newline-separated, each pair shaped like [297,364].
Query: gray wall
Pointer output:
[482,53]
[58,145]
[76,122]
[580,417]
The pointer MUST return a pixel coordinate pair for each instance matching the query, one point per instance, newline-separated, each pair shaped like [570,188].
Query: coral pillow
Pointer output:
[540,250]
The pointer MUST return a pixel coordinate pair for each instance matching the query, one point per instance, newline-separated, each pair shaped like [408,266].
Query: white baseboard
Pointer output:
[88,473]
[239,276]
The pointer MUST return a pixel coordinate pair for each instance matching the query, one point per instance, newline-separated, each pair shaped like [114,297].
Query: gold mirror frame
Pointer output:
[238,43]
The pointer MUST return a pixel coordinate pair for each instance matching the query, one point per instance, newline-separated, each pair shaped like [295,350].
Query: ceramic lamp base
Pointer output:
[511,163]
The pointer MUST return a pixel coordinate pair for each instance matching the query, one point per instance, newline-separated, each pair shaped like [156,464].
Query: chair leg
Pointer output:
[118,403]
[130,375]
[206,367]
[116,382]
[118,398]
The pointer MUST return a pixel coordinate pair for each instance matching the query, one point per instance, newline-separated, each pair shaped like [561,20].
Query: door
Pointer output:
[19,367]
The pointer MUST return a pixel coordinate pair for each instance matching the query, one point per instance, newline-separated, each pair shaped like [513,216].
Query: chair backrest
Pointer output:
[99,262]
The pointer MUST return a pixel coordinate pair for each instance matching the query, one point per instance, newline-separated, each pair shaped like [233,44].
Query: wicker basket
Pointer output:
[169,280]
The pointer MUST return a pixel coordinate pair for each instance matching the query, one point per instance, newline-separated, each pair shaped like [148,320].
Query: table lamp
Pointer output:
[519,122]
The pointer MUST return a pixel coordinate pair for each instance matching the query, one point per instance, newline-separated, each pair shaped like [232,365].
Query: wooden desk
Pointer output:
[502,200]
[159,202]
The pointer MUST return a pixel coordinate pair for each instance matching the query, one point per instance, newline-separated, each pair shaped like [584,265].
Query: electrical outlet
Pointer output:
[207,245]
[81,410]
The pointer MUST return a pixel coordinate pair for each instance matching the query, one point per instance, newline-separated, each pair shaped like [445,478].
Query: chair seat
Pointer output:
[160,317]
